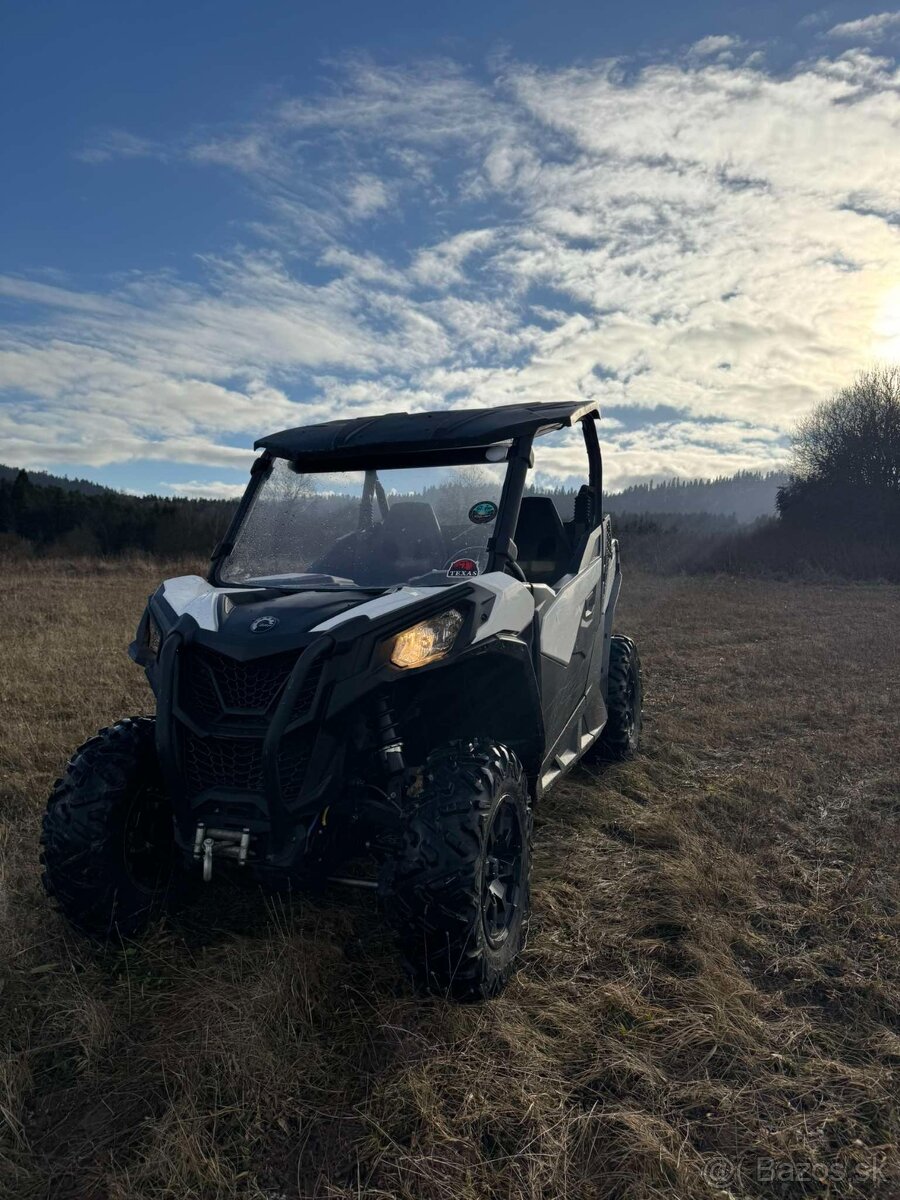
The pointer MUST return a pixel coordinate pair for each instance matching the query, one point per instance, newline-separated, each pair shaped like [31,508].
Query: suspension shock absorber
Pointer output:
[390,746]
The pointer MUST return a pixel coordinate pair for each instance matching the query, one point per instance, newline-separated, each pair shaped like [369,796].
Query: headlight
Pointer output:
[428,641]
[154,637]
[147,641]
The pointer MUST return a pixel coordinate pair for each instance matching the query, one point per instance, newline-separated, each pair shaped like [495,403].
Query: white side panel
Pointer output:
[377,607]
[562,617]
[513,608]
[181,591]
[193,595]
[594,546]
[512,611]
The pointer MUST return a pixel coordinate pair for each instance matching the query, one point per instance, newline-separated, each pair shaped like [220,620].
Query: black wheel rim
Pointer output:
[147,844]
[502,873]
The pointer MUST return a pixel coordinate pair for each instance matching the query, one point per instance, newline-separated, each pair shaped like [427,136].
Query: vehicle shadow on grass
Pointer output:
[228,908]
[285,1018]
[248,1016]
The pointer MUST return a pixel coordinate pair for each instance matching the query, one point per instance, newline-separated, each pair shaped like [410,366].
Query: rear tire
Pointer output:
[460,894]
[109,854]
[624,701]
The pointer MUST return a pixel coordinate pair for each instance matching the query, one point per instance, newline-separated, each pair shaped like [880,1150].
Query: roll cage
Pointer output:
[455,438]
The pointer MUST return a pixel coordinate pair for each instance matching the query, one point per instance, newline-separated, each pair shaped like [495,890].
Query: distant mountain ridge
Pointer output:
[746,496]
[44,479]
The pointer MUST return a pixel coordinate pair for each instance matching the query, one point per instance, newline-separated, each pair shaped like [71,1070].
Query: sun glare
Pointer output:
[886,329]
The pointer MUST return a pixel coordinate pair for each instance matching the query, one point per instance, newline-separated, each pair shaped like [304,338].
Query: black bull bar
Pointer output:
[173,720]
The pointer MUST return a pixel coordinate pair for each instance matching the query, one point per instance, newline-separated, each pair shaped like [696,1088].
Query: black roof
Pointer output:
[411,433]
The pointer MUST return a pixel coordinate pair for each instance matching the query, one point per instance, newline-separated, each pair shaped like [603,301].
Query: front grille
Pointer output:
[236,763]
[304,698]
[222,762]
[293,761]
[215,686]
[198,688]
[224,697]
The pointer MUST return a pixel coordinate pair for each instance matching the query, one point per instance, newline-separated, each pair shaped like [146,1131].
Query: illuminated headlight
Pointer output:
[428,641]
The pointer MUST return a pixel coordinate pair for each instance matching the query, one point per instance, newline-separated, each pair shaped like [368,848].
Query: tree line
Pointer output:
[53,519]
[747,496]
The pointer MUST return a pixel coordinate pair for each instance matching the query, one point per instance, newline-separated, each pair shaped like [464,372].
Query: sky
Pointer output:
[223,219]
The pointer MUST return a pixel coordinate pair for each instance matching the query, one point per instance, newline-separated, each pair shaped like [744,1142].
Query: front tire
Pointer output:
[109,854]
[461,883]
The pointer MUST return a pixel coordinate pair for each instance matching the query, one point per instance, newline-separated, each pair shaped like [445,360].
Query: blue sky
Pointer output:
[223,219]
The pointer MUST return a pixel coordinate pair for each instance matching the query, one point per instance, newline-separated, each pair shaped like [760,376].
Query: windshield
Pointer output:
[367,529]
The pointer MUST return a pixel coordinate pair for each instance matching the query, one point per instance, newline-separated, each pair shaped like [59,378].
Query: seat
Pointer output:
[413,524]
[543,547]
[408,543]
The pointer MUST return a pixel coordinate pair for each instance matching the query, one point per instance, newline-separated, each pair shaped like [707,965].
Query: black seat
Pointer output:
[543,547]
[408,543]
[414,525]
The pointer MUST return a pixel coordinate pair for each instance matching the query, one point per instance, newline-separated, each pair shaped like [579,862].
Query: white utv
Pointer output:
[401,644]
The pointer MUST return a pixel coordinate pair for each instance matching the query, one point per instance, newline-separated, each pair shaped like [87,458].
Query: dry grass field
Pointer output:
[710,1001]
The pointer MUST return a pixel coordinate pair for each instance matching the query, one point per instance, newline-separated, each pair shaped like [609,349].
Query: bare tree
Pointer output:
[854,439]
[846,468]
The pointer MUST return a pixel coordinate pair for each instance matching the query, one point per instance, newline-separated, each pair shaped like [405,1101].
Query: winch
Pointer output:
[223,843]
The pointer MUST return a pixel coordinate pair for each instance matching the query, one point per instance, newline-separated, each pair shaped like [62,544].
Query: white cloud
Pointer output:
[442,266]
[715,44]
[118,143]
[868,29]
[368,195]
[215,490]
[365,267]
[698,234]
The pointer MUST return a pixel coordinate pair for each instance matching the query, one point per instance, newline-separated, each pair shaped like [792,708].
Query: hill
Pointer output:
[52,519]
[746,496]
[45,479]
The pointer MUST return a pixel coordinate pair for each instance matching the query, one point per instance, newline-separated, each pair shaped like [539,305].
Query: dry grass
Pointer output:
[710,999]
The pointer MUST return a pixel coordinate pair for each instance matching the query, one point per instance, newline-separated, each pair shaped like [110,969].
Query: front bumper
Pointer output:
[241,744]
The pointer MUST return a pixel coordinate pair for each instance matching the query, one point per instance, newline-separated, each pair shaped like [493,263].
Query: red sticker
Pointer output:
[462,568]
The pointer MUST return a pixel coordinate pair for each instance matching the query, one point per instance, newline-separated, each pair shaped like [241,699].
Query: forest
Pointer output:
[70,521]
[47,514]
[746,496]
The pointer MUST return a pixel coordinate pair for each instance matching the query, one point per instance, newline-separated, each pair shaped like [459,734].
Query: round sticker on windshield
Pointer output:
[483,512]
[462,568]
